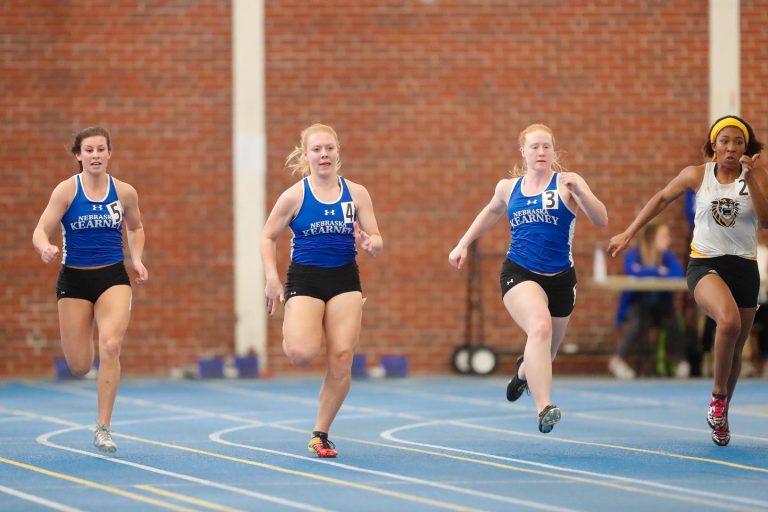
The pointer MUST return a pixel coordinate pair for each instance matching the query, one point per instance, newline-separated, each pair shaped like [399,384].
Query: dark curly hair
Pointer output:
[753,146]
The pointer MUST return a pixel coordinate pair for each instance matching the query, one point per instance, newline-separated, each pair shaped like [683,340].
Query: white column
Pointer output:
[249,163]
[724,59]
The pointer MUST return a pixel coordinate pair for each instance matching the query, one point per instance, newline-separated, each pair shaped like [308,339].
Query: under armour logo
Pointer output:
[533,201]
[97,207]
[330,212]
[510,282]
[292,294]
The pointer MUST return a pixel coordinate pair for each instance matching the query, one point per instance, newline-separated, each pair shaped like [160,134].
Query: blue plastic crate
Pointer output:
[394,365]
[211,367]
[247,367]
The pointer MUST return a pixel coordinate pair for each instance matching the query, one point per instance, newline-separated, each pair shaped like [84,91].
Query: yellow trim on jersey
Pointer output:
[695,252]
[723,123]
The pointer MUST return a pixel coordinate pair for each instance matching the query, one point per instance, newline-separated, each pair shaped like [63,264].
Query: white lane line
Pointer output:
[217,437]
[424,501]
[651,424]
[631,449]
[711,497]
[371,410]
[599,396]
[38,500]
[44,439]
[186,499]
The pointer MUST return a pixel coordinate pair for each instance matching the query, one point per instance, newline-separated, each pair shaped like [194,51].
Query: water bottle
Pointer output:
[599,272]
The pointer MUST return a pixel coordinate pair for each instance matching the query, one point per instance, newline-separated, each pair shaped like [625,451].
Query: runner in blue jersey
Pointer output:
[327,215]
[538,279]
[93,288]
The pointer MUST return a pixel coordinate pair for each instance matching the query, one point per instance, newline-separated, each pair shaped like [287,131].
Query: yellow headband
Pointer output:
[723,123]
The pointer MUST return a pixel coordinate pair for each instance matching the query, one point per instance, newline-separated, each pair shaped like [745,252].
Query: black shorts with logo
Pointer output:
[321,283]
[740,275]
[560,288]
[89,283]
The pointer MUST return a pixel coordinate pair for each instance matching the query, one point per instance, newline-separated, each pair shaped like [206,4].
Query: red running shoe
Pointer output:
[322,446]
[718,421]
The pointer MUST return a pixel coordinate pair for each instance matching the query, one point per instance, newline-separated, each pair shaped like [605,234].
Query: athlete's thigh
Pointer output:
[113,311]
[527,304]
[714,297]
[76,328]
[303,321]
[343,315]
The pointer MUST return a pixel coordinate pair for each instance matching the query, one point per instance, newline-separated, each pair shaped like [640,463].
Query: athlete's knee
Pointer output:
[79,366]
[729,327]
[109,349]
[340,363]
[299,355]
[541,331]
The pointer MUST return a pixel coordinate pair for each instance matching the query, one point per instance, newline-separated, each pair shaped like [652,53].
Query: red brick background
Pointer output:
[158,74]
[428,98]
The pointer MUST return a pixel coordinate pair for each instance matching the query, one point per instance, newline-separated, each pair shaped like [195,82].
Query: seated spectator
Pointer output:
[641,313]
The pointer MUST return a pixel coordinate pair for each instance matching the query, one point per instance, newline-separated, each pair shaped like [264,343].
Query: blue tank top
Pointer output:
[541,228]
[323,233]
[92,230]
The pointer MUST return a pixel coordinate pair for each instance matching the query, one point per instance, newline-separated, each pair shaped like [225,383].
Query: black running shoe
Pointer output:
[516,385]
[548,417]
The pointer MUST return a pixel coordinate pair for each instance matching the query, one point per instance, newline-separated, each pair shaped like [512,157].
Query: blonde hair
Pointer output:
[650,256]
[297,161]
[522,169]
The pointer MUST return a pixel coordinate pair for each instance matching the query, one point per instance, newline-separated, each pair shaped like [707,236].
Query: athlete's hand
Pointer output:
[571,182]
[617,244]
[49,254]
[748,162]
[458,256]
[367,242]
[141,272]
[274,293]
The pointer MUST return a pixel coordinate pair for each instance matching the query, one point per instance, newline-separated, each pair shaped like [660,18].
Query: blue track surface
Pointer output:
[405,444]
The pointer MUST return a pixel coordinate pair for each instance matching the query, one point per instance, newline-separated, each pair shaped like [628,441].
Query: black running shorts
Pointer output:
[740,275]
[560,288]
[321,283]
[89,283]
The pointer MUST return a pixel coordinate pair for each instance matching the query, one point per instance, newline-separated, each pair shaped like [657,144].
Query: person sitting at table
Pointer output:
[641,313]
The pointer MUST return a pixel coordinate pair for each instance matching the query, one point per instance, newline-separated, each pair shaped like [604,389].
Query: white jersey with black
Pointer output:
[725,221]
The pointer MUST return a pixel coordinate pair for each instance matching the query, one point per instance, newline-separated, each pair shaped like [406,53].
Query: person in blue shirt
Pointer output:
[327,215]
[93,288]
[538,278]
[641,312]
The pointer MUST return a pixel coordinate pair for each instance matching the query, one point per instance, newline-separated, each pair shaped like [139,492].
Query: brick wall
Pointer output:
[160,78]
[428,98]
[754,70]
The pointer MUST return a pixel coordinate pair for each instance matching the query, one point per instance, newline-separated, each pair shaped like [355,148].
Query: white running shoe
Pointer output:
[548,418]
[620,369]
[102,439]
